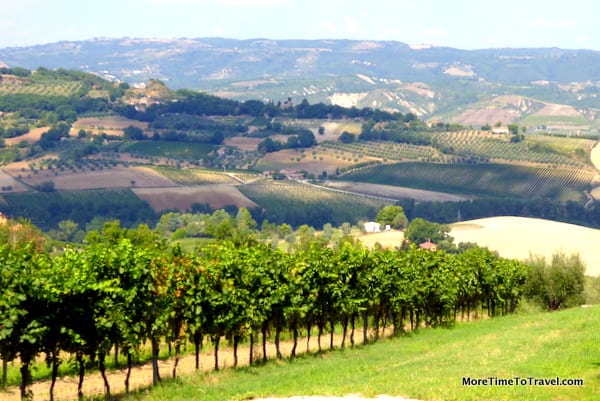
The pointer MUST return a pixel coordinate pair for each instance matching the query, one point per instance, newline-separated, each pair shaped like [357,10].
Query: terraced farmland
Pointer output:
[482,179]
[471,143]
[386,150]
[45,88]
[296,203]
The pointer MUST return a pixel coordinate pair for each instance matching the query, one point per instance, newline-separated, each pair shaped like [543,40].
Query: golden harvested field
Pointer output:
[387,239]
[113,125]
[517,237]
[8,181]
[390,191]
[116,177]
[323,160]
[32,136]
[182,198]
[243,143]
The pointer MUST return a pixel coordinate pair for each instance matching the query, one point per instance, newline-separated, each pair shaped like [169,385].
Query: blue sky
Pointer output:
[464,24]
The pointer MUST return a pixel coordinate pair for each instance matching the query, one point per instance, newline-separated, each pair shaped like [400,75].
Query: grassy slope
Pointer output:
[428,365]
[177,150]
[479,179]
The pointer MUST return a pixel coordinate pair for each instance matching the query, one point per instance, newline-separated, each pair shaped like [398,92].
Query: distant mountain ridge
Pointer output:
[433,82]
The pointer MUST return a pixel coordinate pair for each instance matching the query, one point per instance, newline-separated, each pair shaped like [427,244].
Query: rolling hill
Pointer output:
[544,87]
[520,237]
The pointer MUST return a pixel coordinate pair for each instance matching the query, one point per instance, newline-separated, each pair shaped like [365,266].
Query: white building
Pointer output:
[372,227]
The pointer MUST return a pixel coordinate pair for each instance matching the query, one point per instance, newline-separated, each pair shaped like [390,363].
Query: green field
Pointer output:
[381,149]
[428,365]
[501,180]
[47,209]
[295,203]
[195,176]
[43,88]
[202,176]
[534,148]
[535,120]
[174,150]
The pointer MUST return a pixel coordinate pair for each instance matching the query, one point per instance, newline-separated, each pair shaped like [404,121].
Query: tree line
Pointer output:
[127,288]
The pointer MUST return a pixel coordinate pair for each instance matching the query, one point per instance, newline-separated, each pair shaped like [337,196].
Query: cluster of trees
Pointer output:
[48,209]
[126,288]
[556,283]
[304,139]
[51,108]
[451,212]
[193,103]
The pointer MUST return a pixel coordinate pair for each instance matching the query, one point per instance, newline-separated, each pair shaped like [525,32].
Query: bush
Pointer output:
[46,186]
[558,284]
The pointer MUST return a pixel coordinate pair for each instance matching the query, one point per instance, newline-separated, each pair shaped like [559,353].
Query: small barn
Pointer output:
[372,227]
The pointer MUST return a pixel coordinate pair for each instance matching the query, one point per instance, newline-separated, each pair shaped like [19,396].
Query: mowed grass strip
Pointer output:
[174,150]
[427,365]
[195,176]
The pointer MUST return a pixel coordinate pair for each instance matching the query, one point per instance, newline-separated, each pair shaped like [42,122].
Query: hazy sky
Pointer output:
[464,24]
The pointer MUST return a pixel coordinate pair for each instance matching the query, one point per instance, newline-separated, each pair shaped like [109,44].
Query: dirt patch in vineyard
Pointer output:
[108,178]
[141,376]
[182,198]
[518,237]
[243,143]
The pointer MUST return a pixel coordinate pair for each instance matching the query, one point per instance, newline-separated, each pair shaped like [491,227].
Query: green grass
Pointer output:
[535,120]
[46,88]
[195,176]
[428,365]
[477,143]
[175,150]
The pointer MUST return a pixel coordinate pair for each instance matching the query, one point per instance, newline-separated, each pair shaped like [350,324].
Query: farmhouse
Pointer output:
[500,130]
[372,227]
[428,245]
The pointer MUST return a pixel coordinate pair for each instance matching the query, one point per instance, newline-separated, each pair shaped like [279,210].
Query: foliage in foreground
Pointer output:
[126,288]
[427,365]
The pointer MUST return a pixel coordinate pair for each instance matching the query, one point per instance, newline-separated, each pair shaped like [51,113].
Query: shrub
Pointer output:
[558,284]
